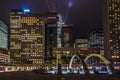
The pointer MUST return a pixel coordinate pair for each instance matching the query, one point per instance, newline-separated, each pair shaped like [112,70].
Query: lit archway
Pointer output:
[81,60]
[99,56]
[70,64]
[107,62]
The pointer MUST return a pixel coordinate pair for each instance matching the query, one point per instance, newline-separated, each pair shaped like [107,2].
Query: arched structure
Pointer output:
[70,64]
[107,62]
[82,61]
[99,56]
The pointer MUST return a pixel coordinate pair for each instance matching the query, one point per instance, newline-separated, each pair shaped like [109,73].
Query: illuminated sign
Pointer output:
[26,10]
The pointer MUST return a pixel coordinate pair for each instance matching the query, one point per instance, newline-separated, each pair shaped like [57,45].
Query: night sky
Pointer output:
[84,14]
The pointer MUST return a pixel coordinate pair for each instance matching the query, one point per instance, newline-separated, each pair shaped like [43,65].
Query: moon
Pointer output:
[70,4]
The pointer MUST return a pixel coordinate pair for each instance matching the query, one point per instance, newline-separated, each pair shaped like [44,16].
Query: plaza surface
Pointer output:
[28,75]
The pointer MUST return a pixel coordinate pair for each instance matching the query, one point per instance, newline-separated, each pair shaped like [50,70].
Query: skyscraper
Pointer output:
[3,35]
[50,34]
[60,24]
[27,37]
[111,27]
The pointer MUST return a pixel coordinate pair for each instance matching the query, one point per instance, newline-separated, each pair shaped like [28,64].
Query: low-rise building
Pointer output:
[4,55]
[67,53]
[81,43]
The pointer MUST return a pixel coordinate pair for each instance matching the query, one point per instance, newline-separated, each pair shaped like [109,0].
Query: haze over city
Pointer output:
[85,15]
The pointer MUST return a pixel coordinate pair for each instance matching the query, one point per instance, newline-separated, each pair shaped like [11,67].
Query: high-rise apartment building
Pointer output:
[3,35]
[111,26]
[27,37]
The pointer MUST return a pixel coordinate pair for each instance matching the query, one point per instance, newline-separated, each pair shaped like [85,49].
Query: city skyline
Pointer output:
[83,14]
[55,34]
[60,40]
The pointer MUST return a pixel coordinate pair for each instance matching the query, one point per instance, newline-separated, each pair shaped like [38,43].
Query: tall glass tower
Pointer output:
[111,27]
[3,35]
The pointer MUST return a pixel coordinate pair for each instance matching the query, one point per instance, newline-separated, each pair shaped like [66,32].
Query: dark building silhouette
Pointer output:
[111,27]
[50,34]
[67,35]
